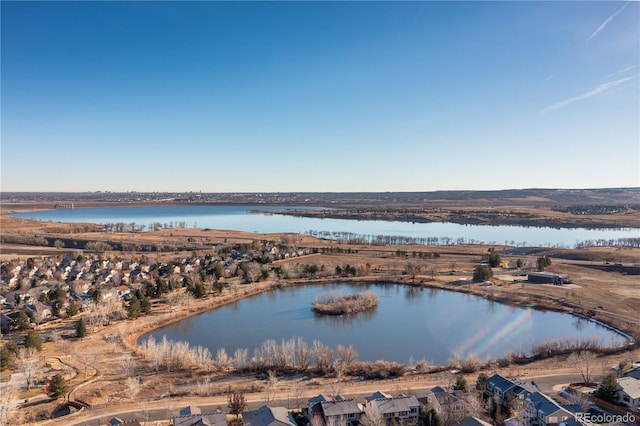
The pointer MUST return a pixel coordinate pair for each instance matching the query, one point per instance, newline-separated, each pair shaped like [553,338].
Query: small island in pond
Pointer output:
[340,304]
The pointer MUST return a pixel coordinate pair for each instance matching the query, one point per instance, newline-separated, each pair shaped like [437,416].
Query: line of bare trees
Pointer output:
[175,355]
[291,354]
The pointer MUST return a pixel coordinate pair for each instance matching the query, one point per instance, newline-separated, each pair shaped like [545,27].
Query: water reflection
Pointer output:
[579,323]
[413,293]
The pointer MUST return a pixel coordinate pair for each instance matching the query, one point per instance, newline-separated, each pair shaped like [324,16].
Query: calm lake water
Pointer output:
[429,324]
[239,218]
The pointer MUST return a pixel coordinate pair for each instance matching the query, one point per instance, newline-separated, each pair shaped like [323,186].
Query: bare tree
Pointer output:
[302,353]
[473,404]
[31,365]
[272,383]
[222,361]
[347,355]
[133,387]
[322,355]
[317,420]
[584,363]
[580,399]
[371,416]
[296,394]
[202,387]
[241,359]
[127,364]
[334,389]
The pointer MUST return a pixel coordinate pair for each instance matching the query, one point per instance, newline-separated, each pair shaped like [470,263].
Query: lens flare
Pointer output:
[484,341]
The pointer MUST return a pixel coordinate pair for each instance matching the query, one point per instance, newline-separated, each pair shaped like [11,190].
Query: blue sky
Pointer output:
[326,96]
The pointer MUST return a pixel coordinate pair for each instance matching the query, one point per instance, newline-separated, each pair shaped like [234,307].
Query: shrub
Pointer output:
[482,273]
[337,304]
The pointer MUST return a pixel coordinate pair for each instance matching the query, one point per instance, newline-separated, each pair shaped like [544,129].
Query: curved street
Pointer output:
[165,409]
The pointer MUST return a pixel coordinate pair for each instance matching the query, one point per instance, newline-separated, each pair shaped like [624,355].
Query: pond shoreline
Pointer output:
[197,307]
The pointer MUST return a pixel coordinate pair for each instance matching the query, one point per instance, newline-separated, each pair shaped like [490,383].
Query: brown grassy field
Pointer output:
[98,366]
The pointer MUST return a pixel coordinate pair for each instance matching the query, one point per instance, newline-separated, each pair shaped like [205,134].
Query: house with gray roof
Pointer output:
[268,416]
[629,393]
[540,410]
[343,412]
[405,408]
[313,407]
[449,405]
[505,391]
[377,395]
[472,421]
[191,416]
[635,373]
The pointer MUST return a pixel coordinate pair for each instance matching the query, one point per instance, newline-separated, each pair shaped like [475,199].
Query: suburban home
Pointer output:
[629,393]
[38,312]
[314,408]
[540,410]
[192,417]
[635,373]
[396,408]
[472,421]
[6,323]
[506,391]
[377,395]
[497,387]
[344,412]
[448,405]
[268,416]
[122,291]
[521,390]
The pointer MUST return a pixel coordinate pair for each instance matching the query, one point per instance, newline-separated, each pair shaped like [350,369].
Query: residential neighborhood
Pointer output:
[451,407]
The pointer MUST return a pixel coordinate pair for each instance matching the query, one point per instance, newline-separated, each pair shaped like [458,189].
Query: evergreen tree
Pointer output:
[481,381]
[429,417]
[145,305]
[237,402]
[72,309]
[608,389]
[33,340]
[494,259]
[197,290]
[542,262]
[461,384]
[22,320]
[81,328]
[134,308]
[482,273]
[57,386]
[6,358]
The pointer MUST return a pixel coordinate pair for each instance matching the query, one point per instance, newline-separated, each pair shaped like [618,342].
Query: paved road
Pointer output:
[166,409]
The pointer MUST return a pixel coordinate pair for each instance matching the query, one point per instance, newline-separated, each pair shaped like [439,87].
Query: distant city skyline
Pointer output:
[319,96]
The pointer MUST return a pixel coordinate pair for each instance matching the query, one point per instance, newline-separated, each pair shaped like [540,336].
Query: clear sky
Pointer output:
[319,96]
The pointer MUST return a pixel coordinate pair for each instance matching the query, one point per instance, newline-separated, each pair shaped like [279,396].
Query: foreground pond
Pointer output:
[409,322]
